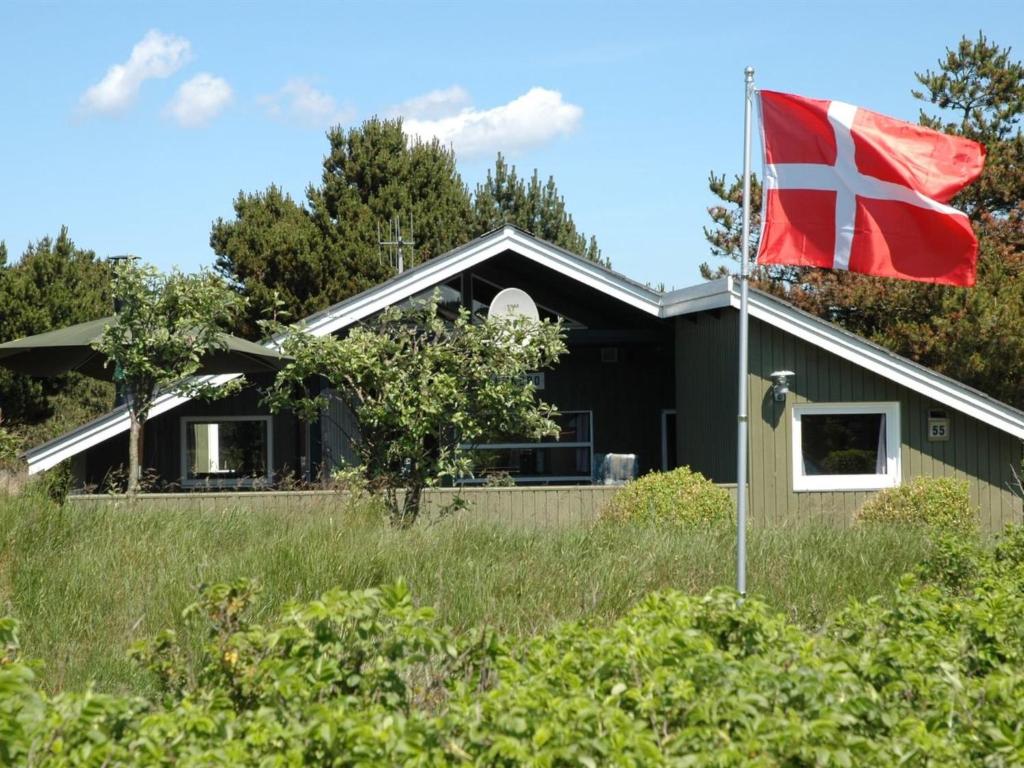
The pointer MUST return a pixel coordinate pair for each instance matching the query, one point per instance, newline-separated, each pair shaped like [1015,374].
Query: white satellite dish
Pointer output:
[513,302]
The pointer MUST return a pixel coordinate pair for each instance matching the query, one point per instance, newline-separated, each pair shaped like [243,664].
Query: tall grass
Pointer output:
[87,583]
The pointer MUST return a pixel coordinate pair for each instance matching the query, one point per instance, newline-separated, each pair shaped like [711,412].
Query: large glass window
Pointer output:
[226,450]
[845,446]
[567,458]
[484,292]
[449,295]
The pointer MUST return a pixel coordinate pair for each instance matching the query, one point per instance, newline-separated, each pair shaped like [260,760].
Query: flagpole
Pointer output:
[742,417]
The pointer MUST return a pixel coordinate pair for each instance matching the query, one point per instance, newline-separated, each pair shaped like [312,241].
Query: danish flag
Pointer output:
[847,188]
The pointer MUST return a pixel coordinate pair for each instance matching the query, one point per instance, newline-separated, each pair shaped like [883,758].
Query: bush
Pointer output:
[679,496]
[369,678]
[935,502]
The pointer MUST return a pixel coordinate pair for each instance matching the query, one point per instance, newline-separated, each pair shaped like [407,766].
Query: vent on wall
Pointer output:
[609,354]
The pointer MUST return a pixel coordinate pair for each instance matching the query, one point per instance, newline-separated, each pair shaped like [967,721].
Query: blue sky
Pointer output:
[628,105]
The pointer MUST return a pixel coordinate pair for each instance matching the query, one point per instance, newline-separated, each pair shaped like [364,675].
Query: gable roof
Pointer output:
[715,294]
[369,302]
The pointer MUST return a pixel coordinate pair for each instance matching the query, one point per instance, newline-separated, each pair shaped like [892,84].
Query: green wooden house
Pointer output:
[649,374]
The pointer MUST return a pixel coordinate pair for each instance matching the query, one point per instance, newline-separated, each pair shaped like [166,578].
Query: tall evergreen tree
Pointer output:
[306,257]
[53,285]
[505,198]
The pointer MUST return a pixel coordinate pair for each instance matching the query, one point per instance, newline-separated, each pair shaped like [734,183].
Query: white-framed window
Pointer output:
[568,458]
[846,446]
[235,451]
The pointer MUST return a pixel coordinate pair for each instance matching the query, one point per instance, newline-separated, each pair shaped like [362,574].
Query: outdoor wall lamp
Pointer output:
[780,384]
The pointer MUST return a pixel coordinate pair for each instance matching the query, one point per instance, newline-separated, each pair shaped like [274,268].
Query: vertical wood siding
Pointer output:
[976,452]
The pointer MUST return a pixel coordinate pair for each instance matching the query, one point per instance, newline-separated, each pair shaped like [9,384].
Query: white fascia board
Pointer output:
[439,270]
[51,454]
[714,294]
[642,298]
[885,364]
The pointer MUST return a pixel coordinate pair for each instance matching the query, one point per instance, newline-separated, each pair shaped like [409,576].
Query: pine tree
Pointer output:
[52,285]
[279,253]
[504,198]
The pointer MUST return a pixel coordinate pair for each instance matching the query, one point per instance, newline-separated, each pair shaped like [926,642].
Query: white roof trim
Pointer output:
[715,294]
[888,365]
[110,425]
[446,267]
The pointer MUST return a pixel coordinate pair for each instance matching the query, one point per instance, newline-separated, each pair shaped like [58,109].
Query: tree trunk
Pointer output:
[136,419]
[134,452]
[403,512]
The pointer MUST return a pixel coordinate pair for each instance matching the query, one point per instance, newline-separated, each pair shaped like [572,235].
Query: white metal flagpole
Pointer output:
[742,417]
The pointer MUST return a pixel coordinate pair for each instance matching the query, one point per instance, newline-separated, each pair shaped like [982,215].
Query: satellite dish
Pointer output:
[513,302]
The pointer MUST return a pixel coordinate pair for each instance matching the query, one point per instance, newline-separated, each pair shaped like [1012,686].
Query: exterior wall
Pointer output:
[162,439]
[706,388]
[626,396]
[982,455]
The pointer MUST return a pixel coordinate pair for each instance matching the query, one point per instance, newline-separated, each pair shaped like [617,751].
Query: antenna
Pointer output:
[394,249]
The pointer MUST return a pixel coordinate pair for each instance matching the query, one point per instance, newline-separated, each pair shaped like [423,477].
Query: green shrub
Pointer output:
[679,496]
[936,502]
[369,678]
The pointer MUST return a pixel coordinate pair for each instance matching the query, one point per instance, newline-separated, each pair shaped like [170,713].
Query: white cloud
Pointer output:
[298,101]
[155,56]
[534,118]
[199,100]
[443,102]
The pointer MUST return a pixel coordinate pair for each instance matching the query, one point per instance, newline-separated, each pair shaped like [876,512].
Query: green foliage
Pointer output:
[56,566]
[54,284]
[424,388]
[310,256]
[163,326]
[302,257]
[274,252]
[678,496]
[943,503]
[366,677]
[983,87]
[505,198]
[9,444]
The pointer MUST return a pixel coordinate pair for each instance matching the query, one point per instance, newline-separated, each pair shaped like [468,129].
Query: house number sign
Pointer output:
[938,427]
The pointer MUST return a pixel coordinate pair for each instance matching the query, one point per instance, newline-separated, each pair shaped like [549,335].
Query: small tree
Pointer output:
[163,326]
[425,390]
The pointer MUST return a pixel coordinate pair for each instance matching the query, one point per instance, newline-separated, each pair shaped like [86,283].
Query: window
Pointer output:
[449,295]
[567,458]
[846,446]
[226,450]
[484,292]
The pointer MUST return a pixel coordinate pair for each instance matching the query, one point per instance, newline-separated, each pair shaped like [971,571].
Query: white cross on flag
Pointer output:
[847,188]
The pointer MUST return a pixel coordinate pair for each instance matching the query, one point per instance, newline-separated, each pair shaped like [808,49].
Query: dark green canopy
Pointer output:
[70,349]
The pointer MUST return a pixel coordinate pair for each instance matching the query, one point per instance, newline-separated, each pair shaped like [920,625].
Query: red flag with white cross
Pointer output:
[850,189]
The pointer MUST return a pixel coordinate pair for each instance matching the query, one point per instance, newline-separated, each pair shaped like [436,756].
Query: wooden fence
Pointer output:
[534,506]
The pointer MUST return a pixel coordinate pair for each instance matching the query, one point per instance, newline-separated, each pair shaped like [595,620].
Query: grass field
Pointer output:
[86,584]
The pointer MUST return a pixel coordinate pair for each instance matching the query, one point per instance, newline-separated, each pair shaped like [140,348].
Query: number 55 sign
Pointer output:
[938,426]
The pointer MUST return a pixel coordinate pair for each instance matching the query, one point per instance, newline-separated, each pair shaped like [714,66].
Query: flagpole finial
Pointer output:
[749,72]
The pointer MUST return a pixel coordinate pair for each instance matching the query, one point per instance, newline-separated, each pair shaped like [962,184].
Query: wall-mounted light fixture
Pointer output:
[780,384]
